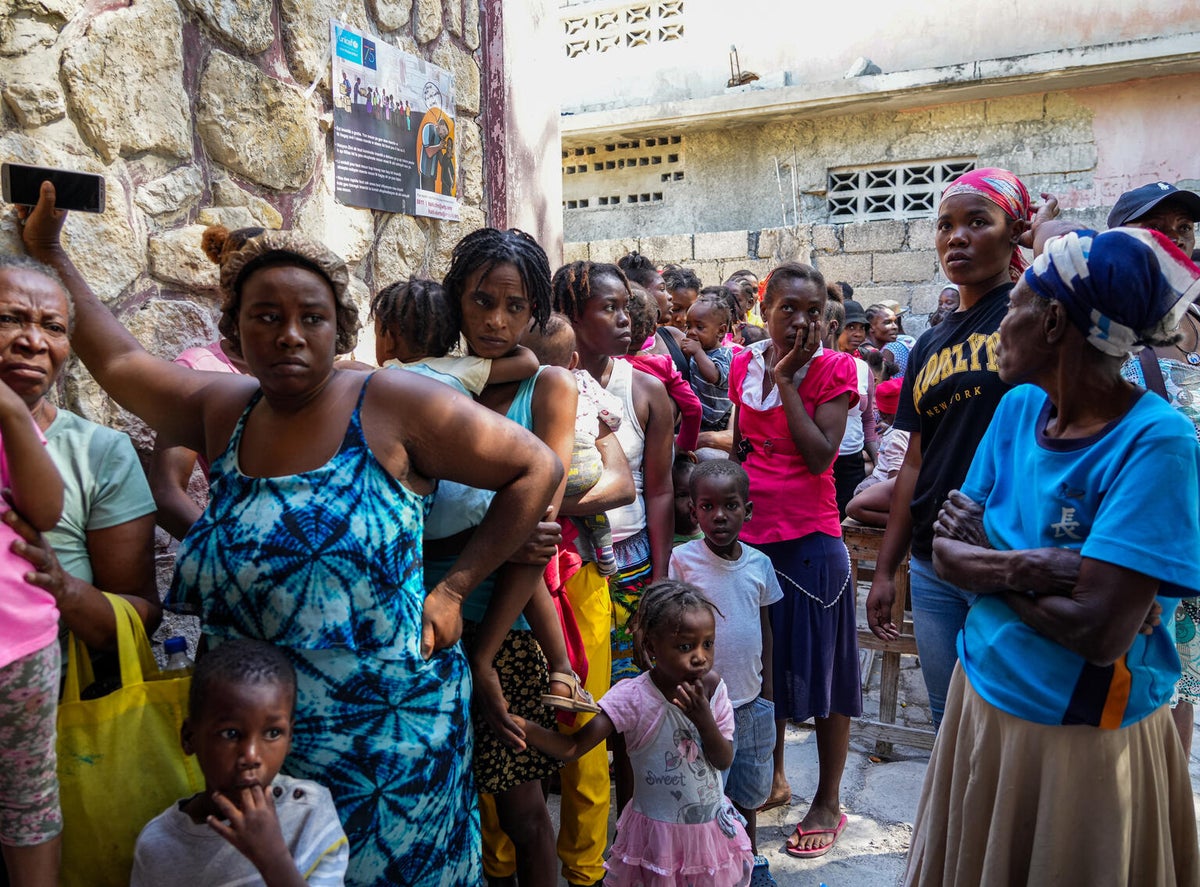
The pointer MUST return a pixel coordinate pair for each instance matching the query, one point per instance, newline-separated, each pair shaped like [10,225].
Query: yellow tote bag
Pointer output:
[120,763]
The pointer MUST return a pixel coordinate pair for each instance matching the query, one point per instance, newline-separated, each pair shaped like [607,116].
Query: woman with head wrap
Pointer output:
[312,536]
[951,389]
[1057,722]
[1173,372]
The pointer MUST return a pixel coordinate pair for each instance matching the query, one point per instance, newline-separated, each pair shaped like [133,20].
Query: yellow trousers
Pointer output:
[583,832]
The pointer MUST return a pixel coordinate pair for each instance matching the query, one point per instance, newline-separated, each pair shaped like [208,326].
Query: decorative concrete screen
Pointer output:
[891,191]
[602,28]
[621,172]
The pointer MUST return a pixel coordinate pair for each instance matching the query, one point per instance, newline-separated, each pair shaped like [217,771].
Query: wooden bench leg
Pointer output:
[889,682]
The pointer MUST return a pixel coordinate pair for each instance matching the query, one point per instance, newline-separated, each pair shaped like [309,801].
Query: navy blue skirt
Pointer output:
[815,635]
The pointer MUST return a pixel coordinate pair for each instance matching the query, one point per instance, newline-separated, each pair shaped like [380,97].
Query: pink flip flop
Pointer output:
[815,851]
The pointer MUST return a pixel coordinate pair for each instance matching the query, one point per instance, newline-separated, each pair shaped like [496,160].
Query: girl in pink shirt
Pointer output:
[30,818]
[791,399]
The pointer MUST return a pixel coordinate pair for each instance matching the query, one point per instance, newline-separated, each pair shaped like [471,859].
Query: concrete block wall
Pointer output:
[887,259]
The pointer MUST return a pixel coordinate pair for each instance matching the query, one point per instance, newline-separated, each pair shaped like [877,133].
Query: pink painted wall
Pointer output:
[1145,131]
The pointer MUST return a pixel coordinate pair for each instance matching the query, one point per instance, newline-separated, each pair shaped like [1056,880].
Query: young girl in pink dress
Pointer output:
[679,830]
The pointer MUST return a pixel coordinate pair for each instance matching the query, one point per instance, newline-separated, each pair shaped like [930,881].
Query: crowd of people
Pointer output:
[585,526]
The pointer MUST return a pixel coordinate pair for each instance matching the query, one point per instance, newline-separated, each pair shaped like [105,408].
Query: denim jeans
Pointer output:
[939,611]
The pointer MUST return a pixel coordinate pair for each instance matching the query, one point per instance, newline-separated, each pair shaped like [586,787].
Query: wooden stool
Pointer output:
[863,543]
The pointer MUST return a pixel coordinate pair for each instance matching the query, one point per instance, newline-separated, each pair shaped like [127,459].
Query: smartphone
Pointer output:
[76,191]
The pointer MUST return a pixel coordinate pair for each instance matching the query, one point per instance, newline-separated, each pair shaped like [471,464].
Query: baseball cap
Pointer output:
[854,312]
[1132,205]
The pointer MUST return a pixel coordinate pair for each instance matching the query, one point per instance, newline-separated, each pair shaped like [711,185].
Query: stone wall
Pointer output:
[200,112]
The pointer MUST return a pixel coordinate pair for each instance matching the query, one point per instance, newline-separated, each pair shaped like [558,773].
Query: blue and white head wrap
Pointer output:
[1123,288]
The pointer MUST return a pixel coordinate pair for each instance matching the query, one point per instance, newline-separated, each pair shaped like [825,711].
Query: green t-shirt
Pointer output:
[103,486]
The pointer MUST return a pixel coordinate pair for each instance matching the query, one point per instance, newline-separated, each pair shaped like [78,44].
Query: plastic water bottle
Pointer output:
[178,662]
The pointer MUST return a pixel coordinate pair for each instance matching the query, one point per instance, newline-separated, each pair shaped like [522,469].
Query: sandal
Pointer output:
[580,699]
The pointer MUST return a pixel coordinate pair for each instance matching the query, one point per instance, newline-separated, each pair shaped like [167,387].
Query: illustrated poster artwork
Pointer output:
[393,129]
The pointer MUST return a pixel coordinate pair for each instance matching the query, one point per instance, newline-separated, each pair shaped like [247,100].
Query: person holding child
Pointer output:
[497,285]
[251,823]
[311,537]
[740,582]
[416,328]
[595,296]
[30,817]
[791,400]
[643,319]
[678,725]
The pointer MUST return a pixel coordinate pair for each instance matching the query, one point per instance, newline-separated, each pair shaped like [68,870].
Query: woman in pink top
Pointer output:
[791,399]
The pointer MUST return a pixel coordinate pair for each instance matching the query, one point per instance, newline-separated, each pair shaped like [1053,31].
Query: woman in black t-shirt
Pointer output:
[950,392]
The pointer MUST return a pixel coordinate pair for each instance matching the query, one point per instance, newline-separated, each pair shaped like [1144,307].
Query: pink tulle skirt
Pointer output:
[652,853]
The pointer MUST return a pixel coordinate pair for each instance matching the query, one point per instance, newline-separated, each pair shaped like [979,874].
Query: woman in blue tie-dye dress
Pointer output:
[311,540]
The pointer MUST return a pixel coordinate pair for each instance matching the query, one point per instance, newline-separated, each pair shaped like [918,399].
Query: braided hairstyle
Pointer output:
[418,312]
[676,277]
[486,248]
[638,268]
[241,662]
[572,285]
[664,603]
[745,290]
[643,316]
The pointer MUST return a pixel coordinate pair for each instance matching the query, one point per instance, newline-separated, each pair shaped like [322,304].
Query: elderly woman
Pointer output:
[105,539]
[1057,724]
[312,536]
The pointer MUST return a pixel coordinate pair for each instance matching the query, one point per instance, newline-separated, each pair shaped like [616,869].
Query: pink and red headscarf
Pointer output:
[1005,190]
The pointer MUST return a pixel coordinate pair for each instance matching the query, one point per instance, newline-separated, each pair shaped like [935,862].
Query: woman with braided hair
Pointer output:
[595,296]
[497,285]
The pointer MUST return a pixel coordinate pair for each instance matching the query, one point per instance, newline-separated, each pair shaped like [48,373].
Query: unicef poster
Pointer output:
[393,129]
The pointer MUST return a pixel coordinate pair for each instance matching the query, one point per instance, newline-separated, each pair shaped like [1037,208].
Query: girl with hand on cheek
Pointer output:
[678,726]
[791,400]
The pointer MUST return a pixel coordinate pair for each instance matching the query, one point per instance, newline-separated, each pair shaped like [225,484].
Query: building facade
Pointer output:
[664,148]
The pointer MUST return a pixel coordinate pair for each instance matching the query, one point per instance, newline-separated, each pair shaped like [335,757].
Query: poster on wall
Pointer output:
[393,129]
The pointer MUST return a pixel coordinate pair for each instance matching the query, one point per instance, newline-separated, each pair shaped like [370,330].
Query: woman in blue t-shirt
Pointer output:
[1057,719]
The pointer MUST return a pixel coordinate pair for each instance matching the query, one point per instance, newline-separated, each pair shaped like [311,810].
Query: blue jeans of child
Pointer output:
[939,611]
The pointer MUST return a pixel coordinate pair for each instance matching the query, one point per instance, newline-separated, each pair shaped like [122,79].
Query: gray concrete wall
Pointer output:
[888,259]
[1086,146]
[786,43]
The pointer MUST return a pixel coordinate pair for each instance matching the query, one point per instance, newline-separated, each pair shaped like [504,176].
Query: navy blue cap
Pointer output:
[1132,205]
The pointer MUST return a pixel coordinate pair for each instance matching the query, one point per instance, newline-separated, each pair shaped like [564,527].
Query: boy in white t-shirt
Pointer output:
[251,825]
[741,582]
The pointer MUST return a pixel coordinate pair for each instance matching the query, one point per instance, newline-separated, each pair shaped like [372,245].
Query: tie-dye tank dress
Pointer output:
[327,565]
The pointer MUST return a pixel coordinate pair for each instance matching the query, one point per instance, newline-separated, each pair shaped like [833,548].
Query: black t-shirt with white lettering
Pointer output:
[950,392]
